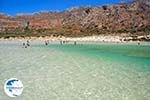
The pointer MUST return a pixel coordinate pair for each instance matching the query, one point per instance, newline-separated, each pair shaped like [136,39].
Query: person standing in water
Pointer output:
[75,43]
[46,43]
[24,45]
[61,42]
[28,43]
[138,43]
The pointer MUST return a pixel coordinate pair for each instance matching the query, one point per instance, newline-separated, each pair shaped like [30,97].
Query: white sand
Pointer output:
[101,38]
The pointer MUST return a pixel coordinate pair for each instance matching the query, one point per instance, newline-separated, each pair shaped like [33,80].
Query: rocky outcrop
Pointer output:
[132,18]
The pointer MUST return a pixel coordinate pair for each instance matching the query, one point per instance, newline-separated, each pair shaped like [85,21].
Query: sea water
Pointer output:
[86,71]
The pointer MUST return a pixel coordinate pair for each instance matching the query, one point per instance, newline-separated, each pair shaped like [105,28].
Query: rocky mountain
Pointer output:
[132,18]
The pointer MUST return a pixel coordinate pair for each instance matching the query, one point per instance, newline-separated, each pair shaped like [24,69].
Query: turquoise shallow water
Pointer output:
[86,71]
[128,53]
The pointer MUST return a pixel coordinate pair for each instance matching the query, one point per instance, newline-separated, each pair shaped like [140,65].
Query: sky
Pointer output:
[13,7]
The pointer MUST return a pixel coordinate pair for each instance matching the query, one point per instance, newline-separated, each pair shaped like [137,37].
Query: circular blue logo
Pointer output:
[13,87]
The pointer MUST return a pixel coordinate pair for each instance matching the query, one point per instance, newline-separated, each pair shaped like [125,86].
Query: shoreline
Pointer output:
[96,38]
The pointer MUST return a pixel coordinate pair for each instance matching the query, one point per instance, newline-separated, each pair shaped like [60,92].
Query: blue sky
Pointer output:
[13,7]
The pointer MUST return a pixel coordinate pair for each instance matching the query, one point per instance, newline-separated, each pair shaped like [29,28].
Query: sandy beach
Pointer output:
[100,38]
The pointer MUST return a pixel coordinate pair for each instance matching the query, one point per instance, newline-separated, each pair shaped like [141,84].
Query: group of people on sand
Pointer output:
[27,44]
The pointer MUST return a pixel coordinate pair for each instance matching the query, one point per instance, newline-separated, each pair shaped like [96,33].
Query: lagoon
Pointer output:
[86,71]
